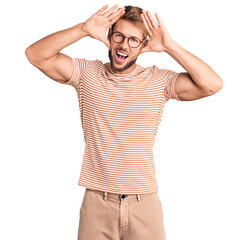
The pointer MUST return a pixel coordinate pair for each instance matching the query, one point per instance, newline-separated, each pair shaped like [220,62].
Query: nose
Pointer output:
[125,43]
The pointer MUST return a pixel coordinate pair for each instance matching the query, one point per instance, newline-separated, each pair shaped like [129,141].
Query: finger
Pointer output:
[160,22]
[100,11]
[148,21]
[116,18]
[107,13]
[145,23]
[152,20]
[117,14]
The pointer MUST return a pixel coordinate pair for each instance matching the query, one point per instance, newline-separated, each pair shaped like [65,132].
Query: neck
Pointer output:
[124,70]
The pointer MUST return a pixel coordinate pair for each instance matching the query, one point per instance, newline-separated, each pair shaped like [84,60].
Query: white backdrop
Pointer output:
[199,152]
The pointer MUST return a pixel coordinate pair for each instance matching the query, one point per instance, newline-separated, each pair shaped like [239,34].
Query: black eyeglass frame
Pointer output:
[123,38]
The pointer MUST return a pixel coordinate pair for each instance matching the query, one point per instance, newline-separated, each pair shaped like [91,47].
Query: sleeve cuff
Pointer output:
[170,89]
[71,81]
[174,95]
[76,73]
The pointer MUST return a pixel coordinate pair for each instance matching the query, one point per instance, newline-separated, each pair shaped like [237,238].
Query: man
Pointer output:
[121,105]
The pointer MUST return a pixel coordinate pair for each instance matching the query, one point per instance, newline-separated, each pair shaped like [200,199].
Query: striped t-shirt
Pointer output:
[120,115]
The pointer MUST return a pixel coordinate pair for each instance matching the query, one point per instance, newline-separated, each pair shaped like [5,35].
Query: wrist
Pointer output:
[170,47]
[83,30]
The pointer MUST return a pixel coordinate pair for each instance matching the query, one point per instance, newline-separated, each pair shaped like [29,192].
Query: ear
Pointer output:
[143,47]
[145,43]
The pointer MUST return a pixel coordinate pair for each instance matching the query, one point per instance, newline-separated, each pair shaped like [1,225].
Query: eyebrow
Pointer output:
[124,34]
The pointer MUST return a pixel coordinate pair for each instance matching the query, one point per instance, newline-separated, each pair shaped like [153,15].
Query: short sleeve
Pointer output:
[78,68]
[167,79]
[170,80]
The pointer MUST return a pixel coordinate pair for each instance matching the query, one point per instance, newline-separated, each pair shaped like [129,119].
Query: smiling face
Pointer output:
[118,63]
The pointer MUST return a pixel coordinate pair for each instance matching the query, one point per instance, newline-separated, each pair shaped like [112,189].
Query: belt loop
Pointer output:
[105,195]
[138,197]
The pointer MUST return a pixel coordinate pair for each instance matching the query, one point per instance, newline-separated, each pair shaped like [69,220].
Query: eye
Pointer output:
[134,40]
[118,35]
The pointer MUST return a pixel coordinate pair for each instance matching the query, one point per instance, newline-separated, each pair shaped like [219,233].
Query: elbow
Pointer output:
[27,50]
[31,56]
[34,56]
[28,53]
[217,86]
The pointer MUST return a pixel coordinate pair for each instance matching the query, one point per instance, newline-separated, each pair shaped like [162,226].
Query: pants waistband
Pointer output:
[120,197]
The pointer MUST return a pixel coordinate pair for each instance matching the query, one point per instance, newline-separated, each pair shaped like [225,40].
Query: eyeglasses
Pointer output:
[132,41]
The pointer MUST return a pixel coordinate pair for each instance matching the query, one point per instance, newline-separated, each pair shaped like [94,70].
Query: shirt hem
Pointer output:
[103,189]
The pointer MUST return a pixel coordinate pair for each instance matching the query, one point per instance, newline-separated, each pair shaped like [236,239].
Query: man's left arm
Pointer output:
[200,80]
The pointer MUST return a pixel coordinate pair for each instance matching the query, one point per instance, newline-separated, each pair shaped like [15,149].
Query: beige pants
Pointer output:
[110,216]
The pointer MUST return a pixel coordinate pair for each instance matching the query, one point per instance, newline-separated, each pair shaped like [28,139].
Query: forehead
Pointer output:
[128,29]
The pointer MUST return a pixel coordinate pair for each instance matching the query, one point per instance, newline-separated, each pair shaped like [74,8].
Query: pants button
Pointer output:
[123,196]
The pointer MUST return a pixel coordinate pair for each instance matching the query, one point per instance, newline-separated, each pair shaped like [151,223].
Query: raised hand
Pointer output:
[98,24]
[159,38]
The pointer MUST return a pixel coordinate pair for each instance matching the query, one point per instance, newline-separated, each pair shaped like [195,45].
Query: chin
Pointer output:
[121,68]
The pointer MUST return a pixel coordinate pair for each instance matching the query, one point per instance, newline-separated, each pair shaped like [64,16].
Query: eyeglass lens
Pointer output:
[132,41]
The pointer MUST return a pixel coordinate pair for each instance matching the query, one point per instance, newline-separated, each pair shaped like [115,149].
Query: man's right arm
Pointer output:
[45,53]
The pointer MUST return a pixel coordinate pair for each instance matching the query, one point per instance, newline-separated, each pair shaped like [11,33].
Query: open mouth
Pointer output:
[121,57]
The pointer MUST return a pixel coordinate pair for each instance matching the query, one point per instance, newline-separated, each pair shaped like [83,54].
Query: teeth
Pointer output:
[122,54]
